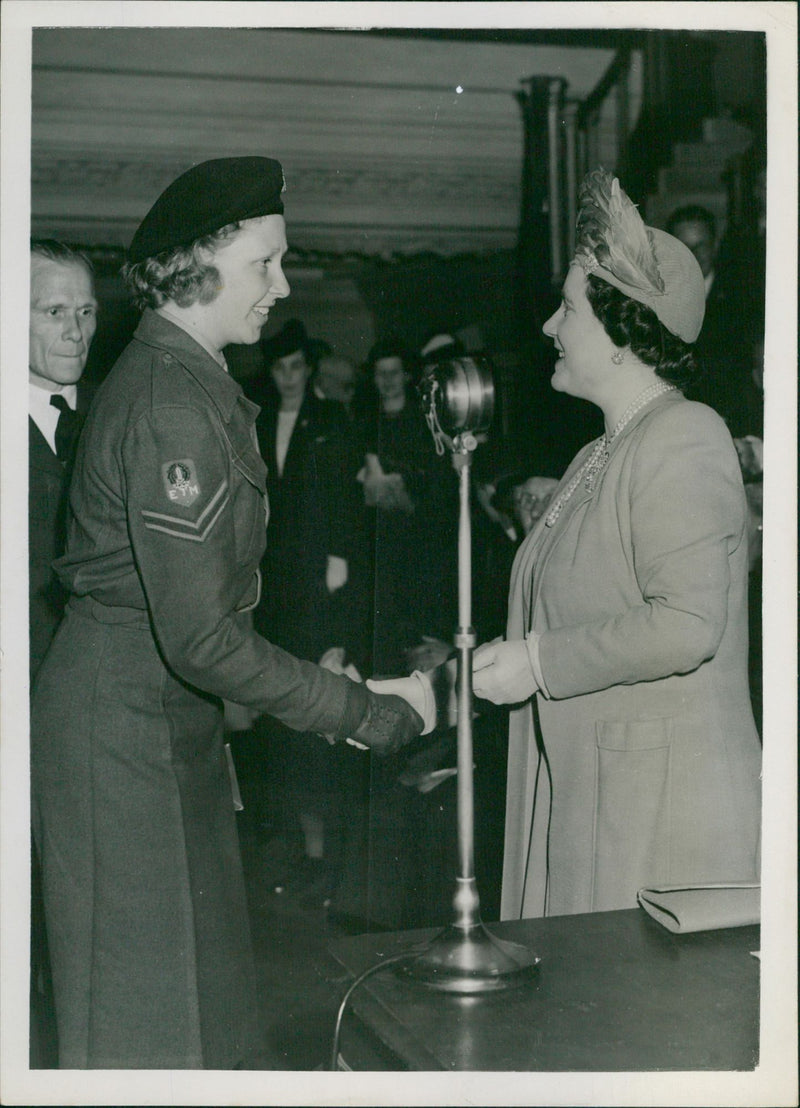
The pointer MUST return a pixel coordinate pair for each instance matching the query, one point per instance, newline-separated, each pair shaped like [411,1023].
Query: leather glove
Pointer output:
[387,723]
[502,672]
[416,689]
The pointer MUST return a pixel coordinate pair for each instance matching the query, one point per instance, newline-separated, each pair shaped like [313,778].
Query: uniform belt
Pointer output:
[138,617]
[252,596]
[106,613]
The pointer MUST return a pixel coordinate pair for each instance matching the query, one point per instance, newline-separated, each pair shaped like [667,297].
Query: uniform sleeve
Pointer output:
[193,541]
[685,514]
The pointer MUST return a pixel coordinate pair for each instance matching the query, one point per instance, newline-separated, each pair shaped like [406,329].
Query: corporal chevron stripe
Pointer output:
[195,531]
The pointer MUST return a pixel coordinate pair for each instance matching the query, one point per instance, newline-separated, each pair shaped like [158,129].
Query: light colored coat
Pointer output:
[644,766]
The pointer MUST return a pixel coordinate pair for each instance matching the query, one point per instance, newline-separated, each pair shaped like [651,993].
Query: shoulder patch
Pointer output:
[194,530]
[180,481]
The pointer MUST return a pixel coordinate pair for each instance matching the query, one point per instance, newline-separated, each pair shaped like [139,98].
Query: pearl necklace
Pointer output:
[598,459]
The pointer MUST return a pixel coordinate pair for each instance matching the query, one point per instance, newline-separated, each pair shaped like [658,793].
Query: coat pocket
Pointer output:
[633,818]
[250,506]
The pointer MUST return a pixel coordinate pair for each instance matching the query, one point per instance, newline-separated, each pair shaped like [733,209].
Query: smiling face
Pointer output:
[251,280]
[290,374]
[584,347]
[63,319]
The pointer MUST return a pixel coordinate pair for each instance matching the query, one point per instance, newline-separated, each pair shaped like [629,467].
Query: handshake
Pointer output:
[395,711]
[386,715]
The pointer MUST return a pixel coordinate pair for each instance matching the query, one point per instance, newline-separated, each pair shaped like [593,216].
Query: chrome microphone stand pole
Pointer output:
[466,957]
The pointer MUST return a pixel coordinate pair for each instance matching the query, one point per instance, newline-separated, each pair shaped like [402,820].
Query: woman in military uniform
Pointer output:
[132,809]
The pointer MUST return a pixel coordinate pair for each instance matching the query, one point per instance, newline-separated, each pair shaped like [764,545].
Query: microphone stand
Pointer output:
[466,957]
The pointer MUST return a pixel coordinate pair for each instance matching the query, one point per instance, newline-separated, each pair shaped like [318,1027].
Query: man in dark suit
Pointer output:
[63,317]
[726,348]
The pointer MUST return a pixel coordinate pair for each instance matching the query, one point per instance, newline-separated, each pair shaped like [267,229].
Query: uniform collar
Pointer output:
[197,335]
[158,331]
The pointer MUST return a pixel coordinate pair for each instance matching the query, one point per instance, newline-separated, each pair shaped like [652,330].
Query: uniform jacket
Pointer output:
[641,765]
[48,487]
[169,511]
[131,800]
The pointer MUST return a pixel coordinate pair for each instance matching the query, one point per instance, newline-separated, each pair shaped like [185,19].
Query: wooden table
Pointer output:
[614,991]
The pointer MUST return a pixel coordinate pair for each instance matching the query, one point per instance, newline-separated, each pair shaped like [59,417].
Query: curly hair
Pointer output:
[630,323]
[179,274]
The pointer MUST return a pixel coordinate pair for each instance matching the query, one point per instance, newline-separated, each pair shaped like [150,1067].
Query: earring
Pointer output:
[618,358]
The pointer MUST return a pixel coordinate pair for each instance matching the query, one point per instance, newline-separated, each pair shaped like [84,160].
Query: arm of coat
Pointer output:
[195,561]
[685,513]
[340,497]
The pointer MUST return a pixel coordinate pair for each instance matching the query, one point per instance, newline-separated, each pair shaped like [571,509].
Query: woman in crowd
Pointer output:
[633,759]
[313,496]
[413,494]
[307,572]
[132,807]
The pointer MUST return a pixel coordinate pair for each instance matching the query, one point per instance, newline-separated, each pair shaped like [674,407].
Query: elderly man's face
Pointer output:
[531,499]
[63,319]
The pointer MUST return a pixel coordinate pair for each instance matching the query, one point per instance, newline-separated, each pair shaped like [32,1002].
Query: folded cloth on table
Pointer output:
[685,908]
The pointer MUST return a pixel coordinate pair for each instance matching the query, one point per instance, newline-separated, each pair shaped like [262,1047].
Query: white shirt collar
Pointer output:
[42,412]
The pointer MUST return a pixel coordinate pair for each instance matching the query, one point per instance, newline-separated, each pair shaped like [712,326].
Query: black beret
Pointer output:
[206,197]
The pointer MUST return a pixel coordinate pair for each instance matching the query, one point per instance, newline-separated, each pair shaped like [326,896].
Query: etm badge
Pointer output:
[180,482]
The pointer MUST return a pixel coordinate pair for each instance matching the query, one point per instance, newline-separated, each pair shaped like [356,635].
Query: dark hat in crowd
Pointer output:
[291,337]
[207,197]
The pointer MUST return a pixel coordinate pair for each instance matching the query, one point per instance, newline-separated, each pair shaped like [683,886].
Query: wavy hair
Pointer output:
[180,274]
[628,322]
[55,251]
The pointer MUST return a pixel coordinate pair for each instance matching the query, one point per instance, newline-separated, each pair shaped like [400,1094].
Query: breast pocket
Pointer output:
[250,505]
[633,819]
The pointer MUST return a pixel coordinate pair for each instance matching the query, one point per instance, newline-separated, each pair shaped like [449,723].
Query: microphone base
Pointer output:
[471,961]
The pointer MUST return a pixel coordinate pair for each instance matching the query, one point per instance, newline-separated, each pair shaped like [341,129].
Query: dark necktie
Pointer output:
[66,428]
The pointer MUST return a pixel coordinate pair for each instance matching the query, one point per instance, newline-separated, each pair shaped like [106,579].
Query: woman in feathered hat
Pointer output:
[131,803]
[634,759]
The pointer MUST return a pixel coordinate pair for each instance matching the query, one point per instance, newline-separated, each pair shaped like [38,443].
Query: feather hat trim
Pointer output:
[644,263]
[610,228]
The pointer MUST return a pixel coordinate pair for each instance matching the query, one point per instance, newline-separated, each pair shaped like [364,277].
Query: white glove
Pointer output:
[383,490]
[502,672]
[335,573]
[416,689]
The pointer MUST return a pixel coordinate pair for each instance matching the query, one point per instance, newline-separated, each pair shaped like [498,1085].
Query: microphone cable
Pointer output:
[406,956]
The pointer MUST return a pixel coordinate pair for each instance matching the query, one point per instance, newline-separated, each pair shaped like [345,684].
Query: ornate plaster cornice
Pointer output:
[381,209]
